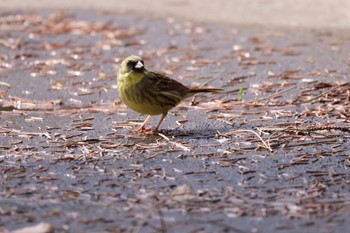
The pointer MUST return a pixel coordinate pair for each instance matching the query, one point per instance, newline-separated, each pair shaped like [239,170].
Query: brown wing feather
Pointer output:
[162,90]
[169,91]
[165,83]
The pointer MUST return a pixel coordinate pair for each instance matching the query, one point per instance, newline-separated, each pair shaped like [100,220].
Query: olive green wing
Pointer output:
[168,91]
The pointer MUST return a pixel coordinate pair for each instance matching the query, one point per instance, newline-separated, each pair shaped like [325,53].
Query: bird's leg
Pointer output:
[143,126]
[148,130]
[160,122]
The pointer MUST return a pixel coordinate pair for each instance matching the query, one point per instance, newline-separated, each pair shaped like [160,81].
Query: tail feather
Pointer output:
[198,90]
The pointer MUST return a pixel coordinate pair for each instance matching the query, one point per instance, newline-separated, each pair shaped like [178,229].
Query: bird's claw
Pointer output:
[145,130]
[151,132]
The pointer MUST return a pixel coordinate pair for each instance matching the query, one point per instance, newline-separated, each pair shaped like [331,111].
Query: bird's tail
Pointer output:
[194,91]
[199,90]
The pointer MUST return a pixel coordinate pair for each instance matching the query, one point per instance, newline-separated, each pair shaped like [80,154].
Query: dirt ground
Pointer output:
[276,160]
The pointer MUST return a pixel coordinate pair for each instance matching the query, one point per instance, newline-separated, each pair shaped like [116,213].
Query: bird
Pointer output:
[149,92]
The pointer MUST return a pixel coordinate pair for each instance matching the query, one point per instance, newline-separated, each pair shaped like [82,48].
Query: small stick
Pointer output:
[324,93]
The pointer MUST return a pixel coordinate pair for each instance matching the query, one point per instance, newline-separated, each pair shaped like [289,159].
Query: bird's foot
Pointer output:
[141,129]
[144,130]
[151,132]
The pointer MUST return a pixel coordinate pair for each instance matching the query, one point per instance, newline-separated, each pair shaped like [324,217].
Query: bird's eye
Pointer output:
[131,64]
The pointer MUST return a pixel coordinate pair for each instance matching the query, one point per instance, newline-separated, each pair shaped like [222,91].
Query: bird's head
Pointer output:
[133,63]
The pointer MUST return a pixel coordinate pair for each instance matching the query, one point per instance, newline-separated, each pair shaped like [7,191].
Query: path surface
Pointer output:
[318,14]
[277,161]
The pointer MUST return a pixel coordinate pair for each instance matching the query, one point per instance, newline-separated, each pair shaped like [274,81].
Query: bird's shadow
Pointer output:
[180,133]
[190,133]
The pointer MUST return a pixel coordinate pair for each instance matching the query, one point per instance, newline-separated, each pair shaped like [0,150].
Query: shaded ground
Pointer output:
[277,161]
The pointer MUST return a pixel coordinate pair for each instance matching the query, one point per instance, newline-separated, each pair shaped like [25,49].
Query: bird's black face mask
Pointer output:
[136,66]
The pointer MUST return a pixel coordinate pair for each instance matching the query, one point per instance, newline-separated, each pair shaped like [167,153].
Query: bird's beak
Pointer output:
[139,65]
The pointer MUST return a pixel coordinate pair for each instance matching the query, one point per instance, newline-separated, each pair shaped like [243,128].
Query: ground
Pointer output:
[273,159]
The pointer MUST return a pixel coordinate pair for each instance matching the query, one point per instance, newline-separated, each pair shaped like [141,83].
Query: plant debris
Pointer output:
[272,147]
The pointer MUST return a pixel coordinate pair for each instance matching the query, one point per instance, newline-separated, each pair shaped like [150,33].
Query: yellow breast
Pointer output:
[136,97]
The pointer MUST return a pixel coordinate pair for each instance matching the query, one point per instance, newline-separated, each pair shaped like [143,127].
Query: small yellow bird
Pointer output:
[149,92]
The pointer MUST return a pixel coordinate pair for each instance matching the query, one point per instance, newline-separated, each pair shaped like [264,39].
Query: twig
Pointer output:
[309,129]
[323,93]
[304,143]
[209,81]
[256,134]
[179,145]
[275,94]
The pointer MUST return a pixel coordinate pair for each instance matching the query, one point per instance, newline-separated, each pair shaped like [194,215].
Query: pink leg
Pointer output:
[160,122]
[143,126]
